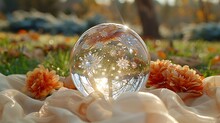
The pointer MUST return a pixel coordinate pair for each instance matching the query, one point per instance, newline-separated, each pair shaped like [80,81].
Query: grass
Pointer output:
[202,52]
[19,65]
[58,61]
[13,60]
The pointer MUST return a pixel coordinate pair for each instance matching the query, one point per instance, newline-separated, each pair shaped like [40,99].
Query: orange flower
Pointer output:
[215,60]
[164,74]
[22,32]
[156,70]
[67,39]
[34,36]
[212,49]
[161,54]
[41,82]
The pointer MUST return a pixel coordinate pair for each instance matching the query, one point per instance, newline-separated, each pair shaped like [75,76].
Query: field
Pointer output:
[22,52]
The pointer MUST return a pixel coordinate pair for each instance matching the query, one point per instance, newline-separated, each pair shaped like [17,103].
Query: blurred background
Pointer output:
[152,19]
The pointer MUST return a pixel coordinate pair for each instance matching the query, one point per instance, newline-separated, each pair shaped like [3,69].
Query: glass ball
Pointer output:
[109,58]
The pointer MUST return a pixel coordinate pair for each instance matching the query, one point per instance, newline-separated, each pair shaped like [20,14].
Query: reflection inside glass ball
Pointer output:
[109,58]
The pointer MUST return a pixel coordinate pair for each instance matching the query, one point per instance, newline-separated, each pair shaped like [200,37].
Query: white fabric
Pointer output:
[148,106]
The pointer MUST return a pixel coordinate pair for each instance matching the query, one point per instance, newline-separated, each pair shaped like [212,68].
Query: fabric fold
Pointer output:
[148,106]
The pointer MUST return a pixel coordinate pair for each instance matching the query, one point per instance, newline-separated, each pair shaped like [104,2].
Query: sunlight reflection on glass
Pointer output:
[115,60]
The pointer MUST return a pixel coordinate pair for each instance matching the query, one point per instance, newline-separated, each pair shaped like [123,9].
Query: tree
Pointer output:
[51,6]
[148,18]
[203,11]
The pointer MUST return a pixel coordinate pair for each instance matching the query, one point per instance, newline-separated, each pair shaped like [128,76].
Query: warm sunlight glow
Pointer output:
[108,2]
[103,2]
[125,26]
[102,84]
[169,2]
[123,1]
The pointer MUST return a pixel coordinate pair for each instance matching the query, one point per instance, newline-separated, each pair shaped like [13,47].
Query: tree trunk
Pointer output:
[148,18]
[204,12]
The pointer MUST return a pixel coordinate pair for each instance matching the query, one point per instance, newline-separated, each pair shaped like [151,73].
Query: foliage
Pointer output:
[19,65]
[205,31]
[197,54]
[58,61]
[46,23]
[200,55]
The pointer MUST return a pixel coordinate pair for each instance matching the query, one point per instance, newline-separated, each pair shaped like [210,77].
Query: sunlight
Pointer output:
[108,2]
[103,2]
[102,84]
[172,2]
[213,1]
[123,1]
[169,2]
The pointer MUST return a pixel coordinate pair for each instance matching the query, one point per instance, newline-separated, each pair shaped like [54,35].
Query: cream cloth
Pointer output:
[148,106]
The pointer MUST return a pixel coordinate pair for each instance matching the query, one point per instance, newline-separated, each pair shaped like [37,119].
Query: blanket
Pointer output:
[146,106]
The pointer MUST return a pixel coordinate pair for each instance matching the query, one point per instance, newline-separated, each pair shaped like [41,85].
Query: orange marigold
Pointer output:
[164,74]
[41,82]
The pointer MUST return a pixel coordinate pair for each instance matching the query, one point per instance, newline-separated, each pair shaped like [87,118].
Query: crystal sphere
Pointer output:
[109,58]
